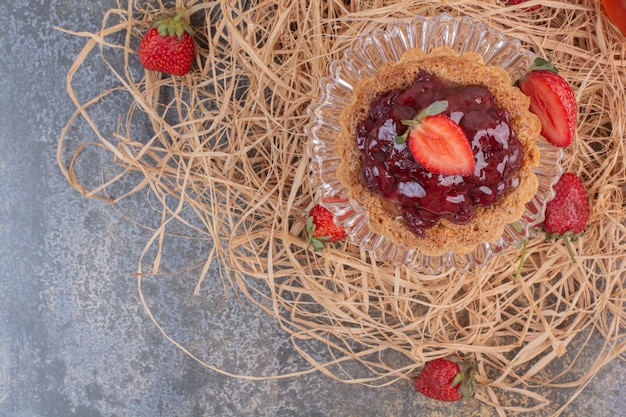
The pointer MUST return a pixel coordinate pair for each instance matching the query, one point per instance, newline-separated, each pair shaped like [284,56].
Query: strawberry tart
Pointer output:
[439,150]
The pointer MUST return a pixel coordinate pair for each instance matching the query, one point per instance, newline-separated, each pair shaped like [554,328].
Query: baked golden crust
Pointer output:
[488,223]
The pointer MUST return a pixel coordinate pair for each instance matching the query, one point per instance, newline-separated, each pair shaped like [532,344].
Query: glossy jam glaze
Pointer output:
[422,197]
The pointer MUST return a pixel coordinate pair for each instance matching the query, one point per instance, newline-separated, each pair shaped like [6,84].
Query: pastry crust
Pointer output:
[488,223]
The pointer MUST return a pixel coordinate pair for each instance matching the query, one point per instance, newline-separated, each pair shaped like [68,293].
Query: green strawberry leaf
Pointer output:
[458,379]
[402,138]
[543,64]
[162,28]
[518,272]
[170,25]
[319,243]
[433,109]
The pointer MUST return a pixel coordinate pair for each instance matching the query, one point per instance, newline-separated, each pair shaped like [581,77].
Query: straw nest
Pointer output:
[222,151]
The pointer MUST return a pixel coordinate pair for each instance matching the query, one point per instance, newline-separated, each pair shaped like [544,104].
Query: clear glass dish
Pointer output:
[370,52]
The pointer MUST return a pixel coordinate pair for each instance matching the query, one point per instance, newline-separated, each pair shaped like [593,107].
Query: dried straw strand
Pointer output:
[226,160]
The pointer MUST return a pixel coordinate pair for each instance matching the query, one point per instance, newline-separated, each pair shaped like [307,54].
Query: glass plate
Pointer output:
[370,52]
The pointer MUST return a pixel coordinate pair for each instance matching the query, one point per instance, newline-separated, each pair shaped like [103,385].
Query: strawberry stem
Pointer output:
[567,238]
[518,273]
[569,247]
[180,14]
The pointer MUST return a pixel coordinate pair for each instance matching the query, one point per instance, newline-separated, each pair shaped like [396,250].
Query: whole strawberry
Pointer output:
[552,100]
[168,45]
[321,228]
[447,379]
[567,214]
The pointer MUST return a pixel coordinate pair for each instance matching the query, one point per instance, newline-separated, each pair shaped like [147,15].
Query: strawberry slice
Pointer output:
[438,142]
[553,101]
[440,145]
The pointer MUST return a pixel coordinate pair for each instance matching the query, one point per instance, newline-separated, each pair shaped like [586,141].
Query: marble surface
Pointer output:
[75,338]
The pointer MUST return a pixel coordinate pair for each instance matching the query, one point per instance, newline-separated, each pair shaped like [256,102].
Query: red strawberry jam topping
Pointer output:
[423,197]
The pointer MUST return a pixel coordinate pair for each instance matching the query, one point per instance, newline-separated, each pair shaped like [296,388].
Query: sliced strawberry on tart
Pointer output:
[438,143]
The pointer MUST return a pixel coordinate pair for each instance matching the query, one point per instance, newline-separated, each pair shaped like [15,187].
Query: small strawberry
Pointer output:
[552,100]
[321,228]
[438,143]
[168,45]
[447,379]
[567,214]
[528,9]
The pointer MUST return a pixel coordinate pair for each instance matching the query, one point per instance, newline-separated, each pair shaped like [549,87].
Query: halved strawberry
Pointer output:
[440,145]
[553,101]
[438,142]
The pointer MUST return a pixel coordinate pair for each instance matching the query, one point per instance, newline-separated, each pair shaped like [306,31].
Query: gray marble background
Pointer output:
[75,339]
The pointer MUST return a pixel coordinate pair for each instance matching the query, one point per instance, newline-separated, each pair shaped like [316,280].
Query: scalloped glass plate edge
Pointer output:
[373,50]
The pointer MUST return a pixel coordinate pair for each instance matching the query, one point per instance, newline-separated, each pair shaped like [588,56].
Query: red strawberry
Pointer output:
[553,101]
[567,214]
[168,46]
[321,228]
[615,10]
[528,9]
[438,143]
[447,379]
